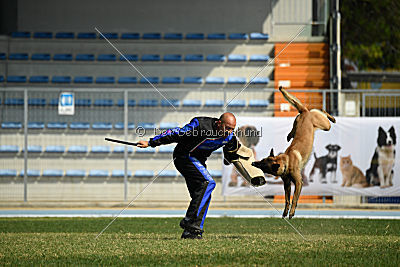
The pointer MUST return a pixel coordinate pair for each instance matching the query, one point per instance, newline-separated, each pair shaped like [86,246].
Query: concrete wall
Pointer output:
[145,15]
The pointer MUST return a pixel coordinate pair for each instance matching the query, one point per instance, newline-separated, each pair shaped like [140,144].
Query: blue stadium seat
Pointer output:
[144,173]
[171,80]
[166,149]
[14,101]
[130,57]
[172,57]
[21,35]
[258,103]
[84,102]
[214,103]
[215,173]
[103,102]
[131,102]
[52,173]
[3,56]
[105,79]
[259,36]
[57,125]
[148,103]
[109,35]
[75,173]
[153,80]
[41,57]
[191,103]
[121,149]
[236,80]
[9,149]
[120,173]
[54,149]
[259,58]
[238,36]
[16,79]
[193,80]
[260,80]
[151,36]
[87,35]
[130,36]
[36,125]
[61,79]
[150,57]
[62,57]
[98,173]
[237,58]
[8,173]
[195,57]
[120,126]
[83,79]
[147,150]
[30,173]
[127,80]
[174,102]
[215,80]
[102,126]
[18,56]
[33,149]
[65,35]
[216,36]
[53,102]
[77,149]
[100,149]
[168,125]
[173,36]
[43,35]
[237,103]
[195,36]
[147,125]
[168,173]
[11,125]
[1,78]
[79,125]
[84,57]
[106,57]
[36,101]
[218,58]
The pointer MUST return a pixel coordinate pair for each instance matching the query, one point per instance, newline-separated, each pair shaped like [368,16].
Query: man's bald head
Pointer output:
[227,123]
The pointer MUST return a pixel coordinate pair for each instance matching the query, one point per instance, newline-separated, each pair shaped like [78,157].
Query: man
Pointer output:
[196,141]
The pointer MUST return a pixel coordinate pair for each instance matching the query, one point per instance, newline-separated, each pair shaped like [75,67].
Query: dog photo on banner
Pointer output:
[356,157]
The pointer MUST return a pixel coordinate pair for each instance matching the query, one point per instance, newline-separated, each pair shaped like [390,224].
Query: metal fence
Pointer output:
[46,156]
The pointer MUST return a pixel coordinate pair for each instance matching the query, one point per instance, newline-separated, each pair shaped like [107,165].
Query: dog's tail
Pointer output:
[330,117]
[292,100]
[315,155]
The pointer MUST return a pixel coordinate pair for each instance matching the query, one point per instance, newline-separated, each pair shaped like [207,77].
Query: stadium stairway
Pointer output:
[301,66]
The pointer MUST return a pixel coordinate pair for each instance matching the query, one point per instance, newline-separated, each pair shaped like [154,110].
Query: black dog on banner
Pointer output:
[380,173]
[327,165]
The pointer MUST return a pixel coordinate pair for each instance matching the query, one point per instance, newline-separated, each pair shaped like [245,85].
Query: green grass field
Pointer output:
[227,242]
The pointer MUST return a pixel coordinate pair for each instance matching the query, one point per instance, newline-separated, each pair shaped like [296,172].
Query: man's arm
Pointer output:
[171,135]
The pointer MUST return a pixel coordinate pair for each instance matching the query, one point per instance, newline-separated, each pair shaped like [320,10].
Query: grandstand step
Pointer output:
[311,84]
[301,76]
[302,69]
[301,61]
[306,199]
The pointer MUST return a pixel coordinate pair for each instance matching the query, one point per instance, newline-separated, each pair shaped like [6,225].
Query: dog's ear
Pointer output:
[328,146]
[392,132]
[271,153]
[338,147]
[275,167]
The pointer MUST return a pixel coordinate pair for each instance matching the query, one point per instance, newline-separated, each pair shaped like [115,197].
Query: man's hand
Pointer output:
[143,144]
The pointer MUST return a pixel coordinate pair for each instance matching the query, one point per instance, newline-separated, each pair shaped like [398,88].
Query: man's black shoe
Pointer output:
[186,225]
[189,235]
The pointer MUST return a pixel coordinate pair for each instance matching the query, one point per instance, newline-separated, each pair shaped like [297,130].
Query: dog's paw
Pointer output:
[291,216]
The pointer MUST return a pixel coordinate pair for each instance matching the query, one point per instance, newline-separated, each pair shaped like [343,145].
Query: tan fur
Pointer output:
[290,164]
[352,176]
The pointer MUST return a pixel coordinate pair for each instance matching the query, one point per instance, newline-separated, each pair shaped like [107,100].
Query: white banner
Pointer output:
[66,104]
[358,141]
